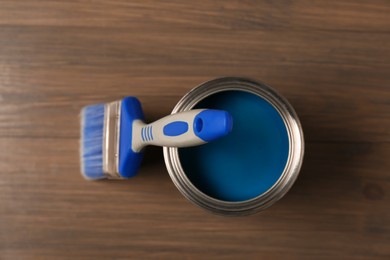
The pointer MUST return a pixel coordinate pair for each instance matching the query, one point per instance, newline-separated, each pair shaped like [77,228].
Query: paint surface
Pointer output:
[248,161]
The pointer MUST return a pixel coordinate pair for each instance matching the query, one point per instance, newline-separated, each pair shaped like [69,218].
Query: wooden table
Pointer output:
[331,59]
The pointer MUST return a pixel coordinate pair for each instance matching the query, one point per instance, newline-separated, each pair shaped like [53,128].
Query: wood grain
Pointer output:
[331,59]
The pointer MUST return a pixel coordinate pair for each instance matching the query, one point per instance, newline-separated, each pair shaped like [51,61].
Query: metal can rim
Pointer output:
[287,178]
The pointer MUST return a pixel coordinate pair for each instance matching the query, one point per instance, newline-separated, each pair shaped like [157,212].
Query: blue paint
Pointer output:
[175,128]
[248,161]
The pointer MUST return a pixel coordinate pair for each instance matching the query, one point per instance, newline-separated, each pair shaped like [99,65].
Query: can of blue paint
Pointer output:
[251,168]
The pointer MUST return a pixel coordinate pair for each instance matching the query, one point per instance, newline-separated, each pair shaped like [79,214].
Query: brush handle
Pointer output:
[189,128]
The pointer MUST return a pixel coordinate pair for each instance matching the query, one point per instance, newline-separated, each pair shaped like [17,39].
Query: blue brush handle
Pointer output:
[182,129]
[189,128]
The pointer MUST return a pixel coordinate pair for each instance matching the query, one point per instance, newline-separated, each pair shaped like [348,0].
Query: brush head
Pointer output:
[106,140]
[91,145]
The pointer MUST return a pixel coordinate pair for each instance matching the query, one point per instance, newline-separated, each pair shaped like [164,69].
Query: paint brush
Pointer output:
[114,134]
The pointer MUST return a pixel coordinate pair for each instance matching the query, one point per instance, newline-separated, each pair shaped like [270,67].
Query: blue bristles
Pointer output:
[92,123]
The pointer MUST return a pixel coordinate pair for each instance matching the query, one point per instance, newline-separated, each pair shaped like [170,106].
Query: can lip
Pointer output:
[287,178]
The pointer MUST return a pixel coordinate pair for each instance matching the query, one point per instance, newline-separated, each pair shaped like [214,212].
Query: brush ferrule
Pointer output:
[111,134]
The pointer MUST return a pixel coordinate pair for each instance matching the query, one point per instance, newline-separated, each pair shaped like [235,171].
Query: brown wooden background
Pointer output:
[331,59]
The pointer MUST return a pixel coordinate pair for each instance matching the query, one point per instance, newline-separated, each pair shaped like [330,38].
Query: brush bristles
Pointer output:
[91,149]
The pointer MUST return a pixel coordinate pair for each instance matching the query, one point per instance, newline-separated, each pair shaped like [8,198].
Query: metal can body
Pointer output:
[292,167]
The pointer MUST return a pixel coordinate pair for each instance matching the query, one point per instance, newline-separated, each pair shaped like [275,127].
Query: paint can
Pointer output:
[225,180]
